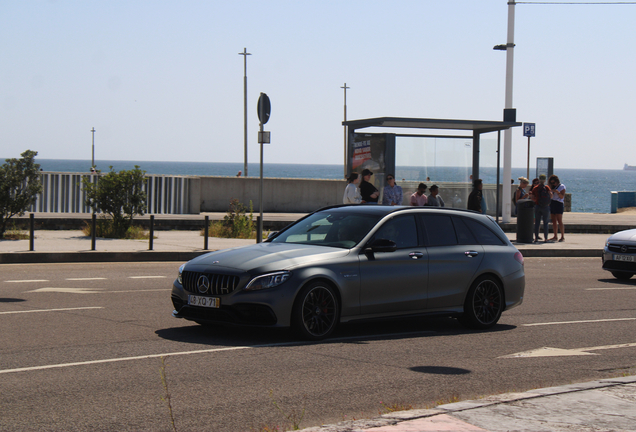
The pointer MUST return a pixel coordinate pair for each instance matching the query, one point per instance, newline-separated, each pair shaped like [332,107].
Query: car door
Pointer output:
[394,282]
[454,257]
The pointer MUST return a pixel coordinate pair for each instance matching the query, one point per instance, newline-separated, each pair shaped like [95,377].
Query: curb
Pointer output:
[96,256]
[394,418]
[149,256]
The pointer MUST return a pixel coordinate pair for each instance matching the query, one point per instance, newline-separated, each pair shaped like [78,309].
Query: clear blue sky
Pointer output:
[162,80]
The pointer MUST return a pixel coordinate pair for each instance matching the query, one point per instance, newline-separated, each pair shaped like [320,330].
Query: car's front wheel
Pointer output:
[484,303]
[622,275]
[316,311]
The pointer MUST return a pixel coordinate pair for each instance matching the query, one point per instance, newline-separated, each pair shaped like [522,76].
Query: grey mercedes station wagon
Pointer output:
[355,262]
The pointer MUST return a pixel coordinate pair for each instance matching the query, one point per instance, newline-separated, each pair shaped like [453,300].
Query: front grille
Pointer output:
[209,283]
[619,265]
[613,247]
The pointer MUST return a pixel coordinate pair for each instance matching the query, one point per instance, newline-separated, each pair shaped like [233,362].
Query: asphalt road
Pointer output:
[81,349]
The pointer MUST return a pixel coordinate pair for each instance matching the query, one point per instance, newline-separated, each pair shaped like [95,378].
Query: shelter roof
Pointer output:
[480,126]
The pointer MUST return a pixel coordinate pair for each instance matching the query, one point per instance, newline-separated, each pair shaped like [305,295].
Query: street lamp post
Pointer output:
[507,150]
[245,54]
[345,127]
[93,152]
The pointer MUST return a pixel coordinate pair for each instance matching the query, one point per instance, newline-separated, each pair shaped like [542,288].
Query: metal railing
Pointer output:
[64,193]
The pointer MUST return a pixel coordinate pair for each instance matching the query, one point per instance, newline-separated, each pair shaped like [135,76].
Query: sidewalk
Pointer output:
[605,405]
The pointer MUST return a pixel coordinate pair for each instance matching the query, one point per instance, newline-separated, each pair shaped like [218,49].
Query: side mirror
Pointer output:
[381,245]
[272,234]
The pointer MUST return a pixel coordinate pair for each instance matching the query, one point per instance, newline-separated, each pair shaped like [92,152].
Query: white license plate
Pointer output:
[211,302]
[629,258]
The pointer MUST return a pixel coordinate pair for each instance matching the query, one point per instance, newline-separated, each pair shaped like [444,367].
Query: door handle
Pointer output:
[416,255]
[471,254]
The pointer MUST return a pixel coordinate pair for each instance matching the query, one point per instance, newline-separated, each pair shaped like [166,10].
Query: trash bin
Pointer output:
[525,220]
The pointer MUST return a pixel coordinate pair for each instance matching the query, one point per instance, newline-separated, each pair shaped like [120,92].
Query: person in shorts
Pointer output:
[556,207]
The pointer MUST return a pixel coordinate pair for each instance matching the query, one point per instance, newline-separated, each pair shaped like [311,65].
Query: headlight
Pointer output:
[269,280]
[179,278]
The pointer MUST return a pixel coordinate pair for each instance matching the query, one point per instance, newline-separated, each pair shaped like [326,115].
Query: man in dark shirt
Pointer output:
[368,192]
[474,199]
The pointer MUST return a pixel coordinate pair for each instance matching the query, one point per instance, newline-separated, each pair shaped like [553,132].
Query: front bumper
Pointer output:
[612,265]
[240,307]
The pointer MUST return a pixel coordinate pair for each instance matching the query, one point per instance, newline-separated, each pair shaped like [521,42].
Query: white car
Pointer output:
[619,254]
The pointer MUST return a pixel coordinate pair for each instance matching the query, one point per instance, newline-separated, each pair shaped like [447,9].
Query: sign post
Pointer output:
[264,108]
[528,130]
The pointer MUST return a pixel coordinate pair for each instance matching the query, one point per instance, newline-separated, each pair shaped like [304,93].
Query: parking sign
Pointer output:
[528,129]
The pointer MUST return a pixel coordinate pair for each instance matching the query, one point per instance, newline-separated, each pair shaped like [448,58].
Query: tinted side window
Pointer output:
[464,236]
[401,230]
[483,234]
[439,230]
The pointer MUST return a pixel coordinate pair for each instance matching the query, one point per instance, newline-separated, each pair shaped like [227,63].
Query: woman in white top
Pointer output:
[352,193]
[556,207]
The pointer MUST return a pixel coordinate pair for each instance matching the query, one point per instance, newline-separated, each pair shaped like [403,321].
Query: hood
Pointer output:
[627,235]
[266,257]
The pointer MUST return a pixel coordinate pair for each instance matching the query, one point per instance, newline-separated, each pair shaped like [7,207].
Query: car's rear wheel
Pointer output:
[622,275]
[316,311]
[484,303]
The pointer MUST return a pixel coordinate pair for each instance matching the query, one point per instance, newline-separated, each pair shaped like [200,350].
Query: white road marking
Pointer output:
[51,310]
[612,288]
[211,350]
[85,279]
[92,290]
[137,290]
[27,281]
[113,360]
[146,277]
[559,352]
[68,290]
[578,322]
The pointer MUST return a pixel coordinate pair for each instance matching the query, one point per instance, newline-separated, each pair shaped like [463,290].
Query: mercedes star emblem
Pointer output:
[203,284]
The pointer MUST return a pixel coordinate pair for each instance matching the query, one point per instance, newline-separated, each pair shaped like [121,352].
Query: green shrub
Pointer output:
[105,228]
[119,195]
[236,223]
[19,185]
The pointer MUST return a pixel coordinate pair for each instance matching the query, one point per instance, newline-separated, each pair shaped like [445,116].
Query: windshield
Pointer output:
[335,229]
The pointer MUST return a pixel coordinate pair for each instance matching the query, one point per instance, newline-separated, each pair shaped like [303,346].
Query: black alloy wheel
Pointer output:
[316,311]
[484,303]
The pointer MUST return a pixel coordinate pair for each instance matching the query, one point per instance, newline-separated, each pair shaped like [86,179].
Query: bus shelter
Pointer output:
[369,147]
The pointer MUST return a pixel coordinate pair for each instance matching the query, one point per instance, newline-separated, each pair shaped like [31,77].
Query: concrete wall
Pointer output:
[193,195]
[281,195]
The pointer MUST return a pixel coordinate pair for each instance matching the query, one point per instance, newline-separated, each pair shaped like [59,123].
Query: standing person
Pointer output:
[520,192]
[542,196]
[392,194]
[418,198]
[434,199]
[369,192]
[352,193]
[556,207]
[475,197]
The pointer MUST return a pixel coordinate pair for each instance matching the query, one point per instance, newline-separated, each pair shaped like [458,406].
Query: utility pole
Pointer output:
[93,158]
[507,150]
[345,127]
[245,54]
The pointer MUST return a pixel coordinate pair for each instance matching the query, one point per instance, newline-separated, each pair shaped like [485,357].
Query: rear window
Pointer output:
[482,233]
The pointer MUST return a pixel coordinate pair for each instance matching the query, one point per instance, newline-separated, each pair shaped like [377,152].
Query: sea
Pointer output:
[590,188]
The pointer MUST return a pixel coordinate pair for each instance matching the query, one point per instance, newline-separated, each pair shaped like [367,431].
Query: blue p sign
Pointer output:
[528,129]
